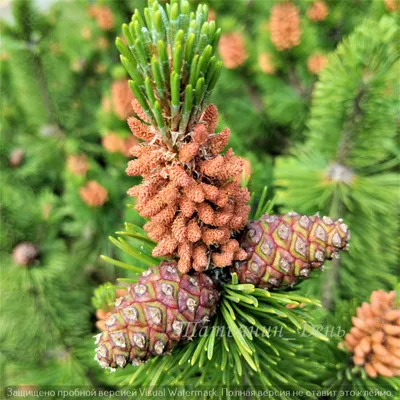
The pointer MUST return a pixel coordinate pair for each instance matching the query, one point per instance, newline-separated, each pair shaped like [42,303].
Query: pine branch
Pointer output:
[350,128]
[170,58]
[245,317]
[45,93]
[352,123]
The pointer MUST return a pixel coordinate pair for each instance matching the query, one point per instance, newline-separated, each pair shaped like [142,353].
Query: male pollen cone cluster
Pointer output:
[93,194]
[392,5]
[114,143]
[375,336]
[194,205]
[266,63]
[318,11]
[284,26]
[103,16]
[121,98]
[232,50]
[77,164]
[316,62]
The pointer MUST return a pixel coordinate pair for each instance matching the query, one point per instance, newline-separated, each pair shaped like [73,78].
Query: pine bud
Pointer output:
[25,254]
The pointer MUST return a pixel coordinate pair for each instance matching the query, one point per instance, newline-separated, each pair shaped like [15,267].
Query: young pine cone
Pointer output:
[232,50]
[285,26]
[375,336]
[188,192]
[282,249]
[163,309]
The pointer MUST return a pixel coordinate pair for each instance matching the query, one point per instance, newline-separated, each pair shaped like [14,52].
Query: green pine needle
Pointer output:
[169,56]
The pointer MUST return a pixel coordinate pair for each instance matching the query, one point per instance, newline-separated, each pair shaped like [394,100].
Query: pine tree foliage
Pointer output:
[341,374]
[278,84]
[258,347]
[349,171]
[192,40]
[361,80]
[38,310]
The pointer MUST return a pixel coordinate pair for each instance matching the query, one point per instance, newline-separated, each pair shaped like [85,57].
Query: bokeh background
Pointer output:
[309,91]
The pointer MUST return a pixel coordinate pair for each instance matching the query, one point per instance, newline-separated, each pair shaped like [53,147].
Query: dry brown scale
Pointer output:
[189,194]
[284,26]
[375,336]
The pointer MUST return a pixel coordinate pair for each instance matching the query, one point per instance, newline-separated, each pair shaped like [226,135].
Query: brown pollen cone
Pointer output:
[266,63]
[246,171]
[16,157]
[392,5]
[102,43]
[232,50]
[212,15]
[103,16]
[318,11]
[375,336]
[316,62]
[106,105]
[77,164]
[86,33]
[121,98]
[93,194]
[25,253]
[188,193]
[112,142]
[284,26]
[127,144]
